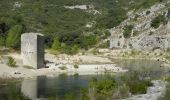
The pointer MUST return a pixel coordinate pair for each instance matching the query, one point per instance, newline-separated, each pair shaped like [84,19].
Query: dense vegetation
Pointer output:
[51,18]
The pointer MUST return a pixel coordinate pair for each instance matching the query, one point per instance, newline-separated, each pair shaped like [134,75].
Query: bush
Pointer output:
[127,31]
[148,12]
[139,87]
[56,44]
[11,62]
[76,66]
[160,19]
[62,68]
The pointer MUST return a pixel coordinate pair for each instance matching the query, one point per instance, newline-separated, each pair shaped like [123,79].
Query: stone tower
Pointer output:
[32,50]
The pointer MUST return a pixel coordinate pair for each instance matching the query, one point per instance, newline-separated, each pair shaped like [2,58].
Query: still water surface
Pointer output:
[45,87]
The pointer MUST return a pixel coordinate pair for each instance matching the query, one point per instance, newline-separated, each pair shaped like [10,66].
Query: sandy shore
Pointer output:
[54,68]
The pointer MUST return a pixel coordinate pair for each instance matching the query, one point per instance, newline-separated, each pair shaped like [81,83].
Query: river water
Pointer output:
[60,86]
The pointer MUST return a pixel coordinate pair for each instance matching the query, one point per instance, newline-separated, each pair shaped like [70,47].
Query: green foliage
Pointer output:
[127,31]
[139,87]
[134,52]
[168,79]
[13,94]
[13,37]
[11,62]
[104,87]
[142,4]
[160,19]
[52,19]
[84,93]
[62,67]
[148,12]
[28,67]
[74,49]
[167,97]
[76,66]
[2,40]
[70,96]
[56,44]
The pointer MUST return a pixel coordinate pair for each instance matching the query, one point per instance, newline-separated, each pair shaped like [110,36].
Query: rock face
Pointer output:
[32,50]
[143,36]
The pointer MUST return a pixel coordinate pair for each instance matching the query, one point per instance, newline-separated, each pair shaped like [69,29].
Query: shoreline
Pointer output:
[87,66]
[21,72]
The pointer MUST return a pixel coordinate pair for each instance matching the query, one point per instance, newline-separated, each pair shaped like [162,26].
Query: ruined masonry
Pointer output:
[32,50]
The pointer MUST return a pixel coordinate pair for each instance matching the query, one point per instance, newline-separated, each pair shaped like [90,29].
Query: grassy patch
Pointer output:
[139,87]
[62,67]
[28,67]
[11,62]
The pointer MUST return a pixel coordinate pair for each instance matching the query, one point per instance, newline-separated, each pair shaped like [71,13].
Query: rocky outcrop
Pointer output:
[143,36]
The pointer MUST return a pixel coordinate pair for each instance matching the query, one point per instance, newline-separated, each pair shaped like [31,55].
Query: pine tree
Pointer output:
[56,44]
[13,37]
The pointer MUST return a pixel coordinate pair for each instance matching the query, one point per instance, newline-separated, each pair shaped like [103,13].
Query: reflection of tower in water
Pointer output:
[29,88]
[32,88]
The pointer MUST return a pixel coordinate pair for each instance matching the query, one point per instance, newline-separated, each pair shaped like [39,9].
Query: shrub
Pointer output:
[139,87]
[127,31]
[56,44]
[76,66]
[155,23]
[148,12]
[11,62]
[62,68]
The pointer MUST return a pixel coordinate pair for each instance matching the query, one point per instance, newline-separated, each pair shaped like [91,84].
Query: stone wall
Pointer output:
[32,50]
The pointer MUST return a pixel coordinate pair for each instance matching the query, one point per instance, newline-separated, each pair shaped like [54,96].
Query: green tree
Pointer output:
[13,37]
[56,44]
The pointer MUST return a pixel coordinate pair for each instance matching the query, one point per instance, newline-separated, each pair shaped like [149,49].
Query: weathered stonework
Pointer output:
[32,50]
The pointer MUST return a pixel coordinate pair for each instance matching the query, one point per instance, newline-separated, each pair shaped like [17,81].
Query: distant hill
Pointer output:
[72,26]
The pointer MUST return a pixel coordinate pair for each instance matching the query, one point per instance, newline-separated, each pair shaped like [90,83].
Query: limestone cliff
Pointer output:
[141,35]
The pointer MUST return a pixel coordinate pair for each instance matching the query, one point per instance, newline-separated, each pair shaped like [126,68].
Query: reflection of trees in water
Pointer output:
[12,92]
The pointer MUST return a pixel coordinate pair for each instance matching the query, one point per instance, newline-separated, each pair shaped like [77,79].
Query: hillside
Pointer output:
[76,24]
[146,29]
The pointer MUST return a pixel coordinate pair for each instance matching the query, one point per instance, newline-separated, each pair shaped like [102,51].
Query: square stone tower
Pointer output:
[32,50]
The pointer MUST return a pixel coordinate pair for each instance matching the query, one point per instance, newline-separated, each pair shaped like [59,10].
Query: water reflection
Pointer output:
[45,87]
[60,86]
[29,88]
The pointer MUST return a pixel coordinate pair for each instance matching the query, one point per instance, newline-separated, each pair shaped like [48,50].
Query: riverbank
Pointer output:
[54,68]
[153,93]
